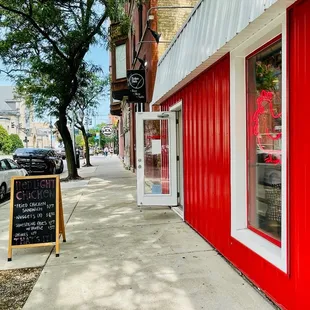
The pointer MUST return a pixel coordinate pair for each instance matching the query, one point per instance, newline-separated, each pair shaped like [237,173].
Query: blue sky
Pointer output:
[98,55]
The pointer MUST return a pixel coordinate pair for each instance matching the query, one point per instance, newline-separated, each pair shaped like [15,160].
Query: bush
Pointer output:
[16,142]
[5,141]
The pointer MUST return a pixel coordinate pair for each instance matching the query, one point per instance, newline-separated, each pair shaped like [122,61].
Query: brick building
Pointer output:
[138,39]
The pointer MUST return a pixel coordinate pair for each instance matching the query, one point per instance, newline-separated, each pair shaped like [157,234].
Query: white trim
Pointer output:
[178,108]
[156,199]
[223,26]
[179,212]
[275,255]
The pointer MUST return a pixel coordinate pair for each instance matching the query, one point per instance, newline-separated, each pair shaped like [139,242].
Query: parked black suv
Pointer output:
[34,160]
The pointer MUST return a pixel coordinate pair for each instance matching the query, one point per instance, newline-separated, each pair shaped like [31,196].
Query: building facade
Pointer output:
[232,84]
[17,118]
[136,44]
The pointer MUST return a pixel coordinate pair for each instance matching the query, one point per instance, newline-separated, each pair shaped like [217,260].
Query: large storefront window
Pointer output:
[264,137]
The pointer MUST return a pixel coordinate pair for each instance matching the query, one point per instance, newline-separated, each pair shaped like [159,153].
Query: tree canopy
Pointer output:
[16,142]
[5,141]
[43,46]
[93,87]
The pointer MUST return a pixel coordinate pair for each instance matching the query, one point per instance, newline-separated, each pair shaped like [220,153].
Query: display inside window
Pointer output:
[120,56]
[156,157]
[264,141]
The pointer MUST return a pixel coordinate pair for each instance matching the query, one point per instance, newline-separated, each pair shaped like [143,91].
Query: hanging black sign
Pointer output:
[136,84]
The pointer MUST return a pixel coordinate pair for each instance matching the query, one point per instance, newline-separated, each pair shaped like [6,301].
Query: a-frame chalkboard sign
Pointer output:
[36,213]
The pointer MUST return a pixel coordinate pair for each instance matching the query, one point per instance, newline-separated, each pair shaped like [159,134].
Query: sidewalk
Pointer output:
[118,257]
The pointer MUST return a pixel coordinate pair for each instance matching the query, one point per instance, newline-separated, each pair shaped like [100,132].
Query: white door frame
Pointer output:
[156,199]
[180,209]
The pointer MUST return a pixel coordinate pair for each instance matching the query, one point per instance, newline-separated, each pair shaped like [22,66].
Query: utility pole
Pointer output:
[27,125]
[51,131]
[99,139]
[73,135]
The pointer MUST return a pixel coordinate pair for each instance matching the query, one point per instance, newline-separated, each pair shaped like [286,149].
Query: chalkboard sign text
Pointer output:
[35,212]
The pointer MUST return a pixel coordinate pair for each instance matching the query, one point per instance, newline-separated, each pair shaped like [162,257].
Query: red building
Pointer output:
[232,90]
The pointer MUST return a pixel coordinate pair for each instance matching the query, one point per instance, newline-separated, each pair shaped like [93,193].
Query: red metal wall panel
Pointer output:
[299,148]
[206,152]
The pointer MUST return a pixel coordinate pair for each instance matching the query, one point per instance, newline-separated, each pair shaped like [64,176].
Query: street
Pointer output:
[62,175]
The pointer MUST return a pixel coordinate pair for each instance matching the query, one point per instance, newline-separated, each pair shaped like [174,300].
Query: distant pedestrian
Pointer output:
[106,151]
[111,150]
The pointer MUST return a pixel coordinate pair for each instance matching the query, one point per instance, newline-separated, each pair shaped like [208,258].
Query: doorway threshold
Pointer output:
[179,211]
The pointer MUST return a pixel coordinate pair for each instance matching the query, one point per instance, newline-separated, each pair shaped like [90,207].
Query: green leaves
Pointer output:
[93,87]
[5,142]
[43,45]
[16,142]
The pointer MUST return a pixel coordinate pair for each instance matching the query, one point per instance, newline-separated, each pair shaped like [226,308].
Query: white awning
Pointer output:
[214,28]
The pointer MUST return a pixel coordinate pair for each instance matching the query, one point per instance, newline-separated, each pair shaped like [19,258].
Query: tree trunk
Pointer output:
[87,157]
[67,140]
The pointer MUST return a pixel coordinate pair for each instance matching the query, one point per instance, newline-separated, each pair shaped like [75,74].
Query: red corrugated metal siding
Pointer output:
[299,152]
[206,153]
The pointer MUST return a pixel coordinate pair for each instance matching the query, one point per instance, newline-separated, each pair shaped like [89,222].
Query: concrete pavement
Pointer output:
[120,257]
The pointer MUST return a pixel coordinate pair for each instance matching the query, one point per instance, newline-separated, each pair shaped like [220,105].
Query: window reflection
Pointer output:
[264,135]
[156,157]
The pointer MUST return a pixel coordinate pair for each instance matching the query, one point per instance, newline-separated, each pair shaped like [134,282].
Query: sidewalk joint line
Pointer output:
[52,250]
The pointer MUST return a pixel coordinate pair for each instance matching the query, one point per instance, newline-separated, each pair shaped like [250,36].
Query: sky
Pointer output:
[98,55]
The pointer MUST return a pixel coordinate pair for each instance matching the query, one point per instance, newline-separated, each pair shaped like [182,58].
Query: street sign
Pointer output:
[107,131]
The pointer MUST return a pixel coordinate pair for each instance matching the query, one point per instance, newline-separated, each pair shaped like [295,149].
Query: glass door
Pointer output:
[156,158]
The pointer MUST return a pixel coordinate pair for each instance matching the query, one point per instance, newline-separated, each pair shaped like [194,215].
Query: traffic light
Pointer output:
[12,125]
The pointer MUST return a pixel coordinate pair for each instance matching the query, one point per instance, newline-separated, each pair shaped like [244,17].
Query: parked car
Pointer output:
[45,161]
[8,169]
[61,153]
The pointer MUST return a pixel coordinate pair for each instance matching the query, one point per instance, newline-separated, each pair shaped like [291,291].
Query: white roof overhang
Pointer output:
[214,28]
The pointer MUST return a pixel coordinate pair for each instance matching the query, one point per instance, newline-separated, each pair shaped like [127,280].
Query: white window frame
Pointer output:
[277,256]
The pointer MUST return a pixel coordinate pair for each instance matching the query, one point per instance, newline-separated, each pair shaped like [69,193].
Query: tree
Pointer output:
[79,140]
[16,142]
[5,142]
[43,46]
[87,97]
[93,141]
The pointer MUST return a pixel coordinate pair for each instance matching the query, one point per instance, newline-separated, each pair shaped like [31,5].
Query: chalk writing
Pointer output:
[34,211]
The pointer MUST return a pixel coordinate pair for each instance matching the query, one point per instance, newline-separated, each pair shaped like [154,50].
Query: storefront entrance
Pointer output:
[160,159]
[177,108]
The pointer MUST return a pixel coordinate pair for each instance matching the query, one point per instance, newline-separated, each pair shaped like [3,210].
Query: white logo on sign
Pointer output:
[107,131]
[136,81]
